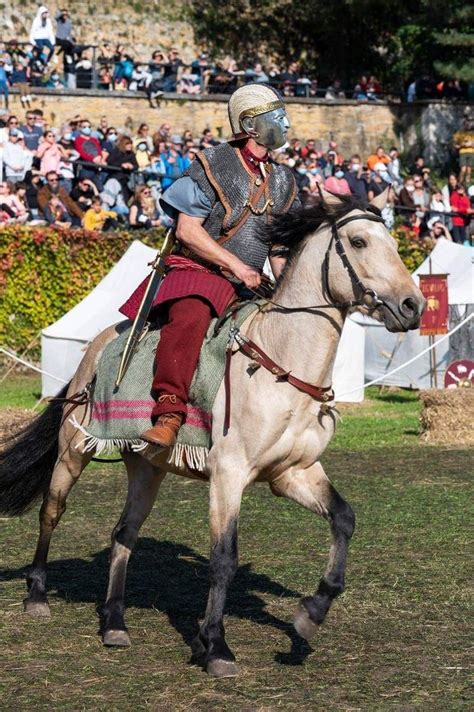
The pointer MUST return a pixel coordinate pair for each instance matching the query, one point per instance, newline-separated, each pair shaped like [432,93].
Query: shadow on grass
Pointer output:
[172,578]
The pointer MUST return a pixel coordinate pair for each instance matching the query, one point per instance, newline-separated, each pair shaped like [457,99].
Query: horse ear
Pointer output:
[380,201]
[330,199]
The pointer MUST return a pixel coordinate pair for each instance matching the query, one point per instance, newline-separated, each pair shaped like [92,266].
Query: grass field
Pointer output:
[395,640]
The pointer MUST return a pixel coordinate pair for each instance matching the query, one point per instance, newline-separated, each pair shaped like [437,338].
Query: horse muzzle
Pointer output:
[405,315]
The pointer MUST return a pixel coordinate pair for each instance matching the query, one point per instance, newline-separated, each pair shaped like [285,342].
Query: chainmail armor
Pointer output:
[232,185]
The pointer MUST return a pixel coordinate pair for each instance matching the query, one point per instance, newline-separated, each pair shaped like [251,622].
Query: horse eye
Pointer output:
[358,243]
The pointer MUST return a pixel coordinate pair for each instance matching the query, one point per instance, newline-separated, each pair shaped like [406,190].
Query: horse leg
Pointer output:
[210,644]
[312,489]
[65,475]
[143,483]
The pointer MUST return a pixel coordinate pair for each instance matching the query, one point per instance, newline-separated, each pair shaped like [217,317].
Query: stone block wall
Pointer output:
[356,127]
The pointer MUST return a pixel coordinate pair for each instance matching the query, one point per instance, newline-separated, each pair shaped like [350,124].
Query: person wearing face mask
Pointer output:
[405,200]
[111,136]
[90,150]
[221,205]
[301,176]
[337,183]
[355,179]
[142,154]
[55,82]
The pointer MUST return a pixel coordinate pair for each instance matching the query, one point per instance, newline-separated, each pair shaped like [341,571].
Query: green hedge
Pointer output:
[44,272]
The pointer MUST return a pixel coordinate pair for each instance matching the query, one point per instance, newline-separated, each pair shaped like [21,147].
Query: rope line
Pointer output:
[407,363]
[30,365]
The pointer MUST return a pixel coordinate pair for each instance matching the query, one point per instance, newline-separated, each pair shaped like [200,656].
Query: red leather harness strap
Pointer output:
[250,349]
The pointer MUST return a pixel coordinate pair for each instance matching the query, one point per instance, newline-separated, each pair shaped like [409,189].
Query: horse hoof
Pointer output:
[222,668]
[303,624]
[116,639]
[37,610]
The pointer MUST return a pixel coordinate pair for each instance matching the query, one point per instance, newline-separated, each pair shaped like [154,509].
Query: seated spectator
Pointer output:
[17,160]
[66,164]
[143,135]
[33,182]
[90,150]
[257,74]
[143,154]
[405,199]
[84,71]
[174,163]
[42,33]
[418,166]
[334,91]
[337,183]
[20,78]
[438,206]
[394,165]
[50,154]
[56,213]
[32,132]
[123,68]
[123,157]
[143,211]
[301,176]
[355,178]
[449,187]
[105,79]
[289,79]
[171,70]
[99,219]
[437,229]
[308,148]
[378,182]
[110,139]
[84,192]
[139,78]
[421,196]
[154,87]
[12,204]
[55,82]
[4,83]
[461,206]
[112,197]
[373,89]
[53,189]
[207,140]
[378,157]
[64,38]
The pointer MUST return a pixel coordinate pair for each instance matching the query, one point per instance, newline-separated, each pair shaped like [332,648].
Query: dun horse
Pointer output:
[340,257]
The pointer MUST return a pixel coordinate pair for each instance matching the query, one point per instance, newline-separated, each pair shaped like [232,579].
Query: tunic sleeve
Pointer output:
[185,196]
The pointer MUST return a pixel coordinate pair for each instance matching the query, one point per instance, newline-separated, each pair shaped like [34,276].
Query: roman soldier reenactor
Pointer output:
[223,201]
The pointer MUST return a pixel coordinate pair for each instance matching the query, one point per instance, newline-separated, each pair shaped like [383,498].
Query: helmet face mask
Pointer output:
[269,129]
[257,111]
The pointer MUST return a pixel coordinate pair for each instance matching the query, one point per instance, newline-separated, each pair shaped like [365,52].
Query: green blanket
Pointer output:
[120,415]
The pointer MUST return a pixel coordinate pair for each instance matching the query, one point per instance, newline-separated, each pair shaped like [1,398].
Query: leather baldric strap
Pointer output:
[253,203]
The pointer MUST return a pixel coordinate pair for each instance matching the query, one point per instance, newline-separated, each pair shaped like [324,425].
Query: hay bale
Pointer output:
[448,416]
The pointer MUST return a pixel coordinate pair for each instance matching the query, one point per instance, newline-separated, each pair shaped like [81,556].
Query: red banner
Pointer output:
[434,288]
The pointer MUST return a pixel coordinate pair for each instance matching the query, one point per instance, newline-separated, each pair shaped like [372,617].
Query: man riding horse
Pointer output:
[223,202]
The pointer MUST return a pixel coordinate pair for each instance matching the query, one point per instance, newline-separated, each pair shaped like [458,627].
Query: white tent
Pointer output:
[385,351]
[64,342]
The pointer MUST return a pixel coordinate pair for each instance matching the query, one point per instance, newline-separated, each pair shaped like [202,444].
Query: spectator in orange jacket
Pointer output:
[378,157]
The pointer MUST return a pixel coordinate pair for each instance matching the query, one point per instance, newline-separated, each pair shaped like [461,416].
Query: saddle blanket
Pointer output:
[120,415]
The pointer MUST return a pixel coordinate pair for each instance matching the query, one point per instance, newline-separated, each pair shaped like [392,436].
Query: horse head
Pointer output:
[343,252]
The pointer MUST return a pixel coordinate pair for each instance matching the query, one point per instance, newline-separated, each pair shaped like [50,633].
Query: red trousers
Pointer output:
[177,353]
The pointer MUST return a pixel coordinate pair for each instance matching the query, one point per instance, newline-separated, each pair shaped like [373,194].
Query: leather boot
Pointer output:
[165,430]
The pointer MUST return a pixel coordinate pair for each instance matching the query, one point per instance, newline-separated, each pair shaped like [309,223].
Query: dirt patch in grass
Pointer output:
[13,419]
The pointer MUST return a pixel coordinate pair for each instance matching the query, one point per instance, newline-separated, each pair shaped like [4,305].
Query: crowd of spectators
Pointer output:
[101,177]
[52,58]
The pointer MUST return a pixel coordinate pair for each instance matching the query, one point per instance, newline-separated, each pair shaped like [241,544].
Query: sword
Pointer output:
[154,281]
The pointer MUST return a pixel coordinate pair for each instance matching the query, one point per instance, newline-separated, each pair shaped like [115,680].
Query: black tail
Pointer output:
[27,464]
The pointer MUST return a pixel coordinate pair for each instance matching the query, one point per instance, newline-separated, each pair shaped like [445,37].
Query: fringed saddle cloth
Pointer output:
[120,415]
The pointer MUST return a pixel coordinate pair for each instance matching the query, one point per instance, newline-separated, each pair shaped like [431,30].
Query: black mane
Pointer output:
[289,230]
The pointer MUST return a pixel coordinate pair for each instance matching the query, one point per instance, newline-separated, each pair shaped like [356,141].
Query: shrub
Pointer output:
[44,272]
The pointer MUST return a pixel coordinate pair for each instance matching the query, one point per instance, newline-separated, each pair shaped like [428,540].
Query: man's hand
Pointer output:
[249,276]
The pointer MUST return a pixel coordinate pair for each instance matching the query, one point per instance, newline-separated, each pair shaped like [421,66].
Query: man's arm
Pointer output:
[191,233]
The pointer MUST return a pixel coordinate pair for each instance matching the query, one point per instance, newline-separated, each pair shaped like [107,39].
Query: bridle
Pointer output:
[364,296]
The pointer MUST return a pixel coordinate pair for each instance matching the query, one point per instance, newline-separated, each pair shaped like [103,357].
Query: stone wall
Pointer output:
[356,127]
[142,26]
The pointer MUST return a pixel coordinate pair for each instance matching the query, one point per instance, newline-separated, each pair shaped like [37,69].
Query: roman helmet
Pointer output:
[257,111]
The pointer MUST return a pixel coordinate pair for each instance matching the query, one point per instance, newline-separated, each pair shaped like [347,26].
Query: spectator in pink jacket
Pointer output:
[50,154]
[337,183]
